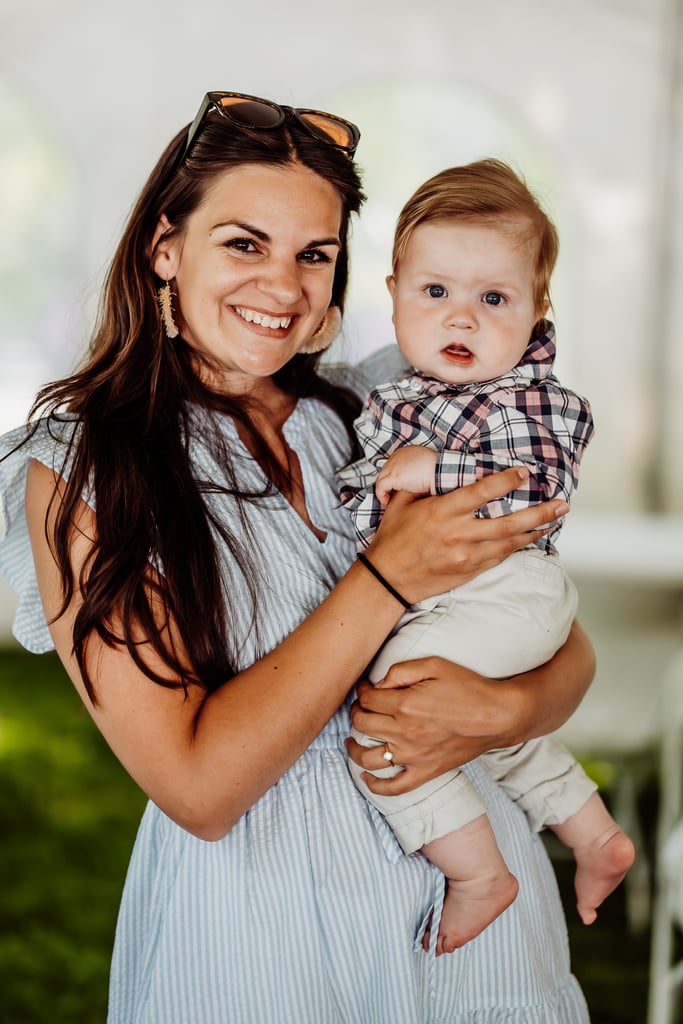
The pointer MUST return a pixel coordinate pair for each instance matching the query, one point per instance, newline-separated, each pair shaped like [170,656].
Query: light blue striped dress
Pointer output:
[307,912]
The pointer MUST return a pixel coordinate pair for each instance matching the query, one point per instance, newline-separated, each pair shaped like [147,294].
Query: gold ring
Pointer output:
[387,755]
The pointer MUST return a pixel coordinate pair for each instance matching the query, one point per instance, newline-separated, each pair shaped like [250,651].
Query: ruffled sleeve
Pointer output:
[17,448]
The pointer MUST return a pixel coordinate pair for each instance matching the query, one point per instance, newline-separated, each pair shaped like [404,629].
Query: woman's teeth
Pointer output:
[262,319]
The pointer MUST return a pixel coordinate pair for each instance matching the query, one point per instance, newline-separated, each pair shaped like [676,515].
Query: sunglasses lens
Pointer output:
[251,113]
[330,129]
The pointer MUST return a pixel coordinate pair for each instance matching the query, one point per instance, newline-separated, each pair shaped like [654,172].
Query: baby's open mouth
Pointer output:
[458,353]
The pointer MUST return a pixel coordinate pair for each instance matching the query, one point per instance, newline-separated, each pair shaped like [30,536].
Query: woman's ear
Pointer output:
[166,249]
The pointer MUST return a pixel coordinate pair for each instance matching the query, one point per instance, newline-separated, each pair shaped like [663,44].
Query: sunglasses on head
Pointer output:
[253,112]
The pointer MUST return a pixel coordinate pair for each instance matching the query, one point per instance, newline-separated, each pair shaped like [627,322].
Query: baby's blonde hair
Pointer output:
[484,192]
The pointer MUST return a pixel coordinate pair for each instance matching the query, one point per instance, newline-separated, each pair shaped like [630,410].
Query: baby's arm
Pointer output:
[410,468]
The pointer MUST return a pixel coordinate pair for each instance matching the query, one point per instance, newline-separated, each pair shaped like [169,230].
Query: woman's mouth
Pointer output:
[273,323]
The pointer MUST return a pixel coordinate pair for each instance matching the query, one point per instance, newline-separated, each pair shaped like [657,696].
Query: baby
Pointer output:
[472,261]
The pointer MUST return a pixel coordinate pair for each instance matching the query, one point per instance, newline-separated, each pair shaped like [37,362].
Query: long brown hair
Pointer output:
[129,404]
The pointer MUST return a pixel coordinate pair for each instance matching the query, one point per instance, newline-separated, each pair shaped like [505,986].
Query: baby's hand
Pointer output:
[410,468]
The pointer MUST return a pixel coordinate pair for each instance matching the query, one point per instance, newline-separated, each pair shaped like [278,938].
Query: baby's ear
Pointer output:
[391,284]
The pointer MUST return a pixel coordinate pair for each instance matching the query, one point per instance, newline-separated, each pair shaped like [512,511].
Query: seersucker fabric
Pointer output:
[307,912]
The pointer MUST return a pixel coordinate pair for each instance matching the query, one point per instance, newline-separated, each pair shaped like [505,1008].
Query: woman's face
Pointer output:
[252,272]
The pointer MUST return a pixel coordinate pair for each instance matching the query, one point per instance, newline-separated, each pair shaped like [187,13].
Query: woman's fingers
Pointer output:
[369,701]
[393,714]
[528,520]
[490,487]
[429,710]
[404,782]
[464,501]
[427,546]
[370,758]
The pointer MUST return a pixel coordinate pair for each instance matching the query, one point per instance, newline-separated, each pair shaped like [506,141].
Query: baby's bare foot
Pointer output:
[470,907]
[600,867]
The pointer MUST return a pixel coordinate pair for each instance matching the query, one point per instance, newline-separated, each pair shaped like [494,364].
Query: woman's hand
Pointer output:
[436,715]
[413,711]
[426,546]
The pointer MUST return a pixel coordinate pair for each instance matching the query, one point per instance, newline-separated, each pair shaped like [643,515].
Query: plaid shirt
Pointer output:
[522,418]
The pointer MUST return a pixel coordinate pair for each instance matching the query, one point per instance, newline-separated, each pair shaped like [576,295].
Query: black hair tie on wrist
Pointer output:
[385,583]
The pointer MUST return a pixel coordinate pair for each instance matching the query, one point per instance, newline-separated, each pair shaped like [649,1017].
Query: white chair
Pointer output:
[666,973]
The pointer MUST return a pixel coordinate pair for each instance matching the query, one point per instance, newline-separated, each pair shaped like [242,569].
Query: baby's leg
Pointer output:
[479,886]
[602,851]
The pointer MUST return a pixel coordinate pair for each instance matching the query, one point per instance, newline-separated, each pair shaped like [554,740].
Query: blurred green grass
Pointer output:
[68,817]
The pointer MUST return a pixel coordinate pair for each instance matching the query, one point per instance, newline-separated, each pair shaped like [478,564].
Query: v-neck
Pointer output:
[291,434]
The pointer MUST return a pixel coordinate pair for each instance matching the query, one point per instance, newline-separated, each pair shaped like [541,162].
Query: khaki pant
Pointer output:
[509,619]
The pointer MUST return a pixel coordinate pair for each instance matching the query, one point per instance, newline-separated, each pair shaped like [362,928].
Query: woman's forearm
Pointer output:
[284,700]
[549,695]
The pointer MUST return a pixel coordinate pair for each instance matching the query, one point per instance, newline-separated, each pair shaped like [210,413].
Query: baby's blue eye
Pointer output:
[493,299]
[436,291]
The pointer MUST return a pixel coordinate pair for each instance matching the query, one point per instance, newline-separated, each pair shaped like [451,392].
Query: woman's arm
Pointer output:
[205,760]
[436,715]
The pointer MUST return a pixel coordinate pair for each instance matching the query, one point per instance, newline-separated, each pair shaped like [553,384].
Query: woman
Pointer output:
[197,578]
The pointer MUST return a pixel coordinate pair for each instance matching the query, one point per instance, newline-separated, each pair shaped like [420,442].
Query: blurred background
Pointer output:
[586,101]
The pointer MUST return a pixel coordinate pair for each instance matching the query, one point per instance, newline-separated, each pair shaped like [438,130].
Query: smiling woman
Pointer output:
[249,296]
[188,558]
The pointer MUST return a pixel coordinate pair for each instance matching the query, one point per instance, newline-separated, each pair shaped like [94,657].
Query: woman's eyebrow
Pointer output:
[263,236]
[243,226]
[333,240]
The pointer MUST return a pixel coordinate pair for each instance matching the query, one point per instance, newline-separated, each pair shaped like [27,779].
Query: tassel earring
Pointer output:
[166,306]
[329,328]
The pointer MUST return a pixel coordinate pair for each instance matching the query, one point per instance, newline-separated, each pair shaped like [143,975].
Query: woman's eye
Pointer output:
[493,299]
[314,256]
[436,291]
[241,244]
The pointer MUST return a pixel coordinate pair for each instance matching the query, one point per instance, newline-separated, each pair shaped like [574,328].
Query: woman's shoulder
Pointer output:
[384,364]
[49,442]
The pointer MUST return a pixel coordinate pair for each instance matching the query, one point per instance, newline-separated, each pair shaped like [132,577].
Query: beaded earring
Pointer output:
[166,306]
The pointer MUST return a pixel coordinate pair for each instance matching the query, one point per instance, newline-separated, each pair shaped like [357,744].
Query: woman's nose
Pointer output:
[281,280]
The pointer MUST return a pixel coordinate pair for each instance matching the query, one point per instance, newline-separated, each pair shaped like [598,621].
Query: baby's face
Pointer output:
[463,300]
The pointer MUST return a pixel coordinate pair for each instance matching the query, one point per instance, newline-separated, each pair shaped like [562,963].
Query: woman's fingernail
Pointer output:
[561,508]
[523,474]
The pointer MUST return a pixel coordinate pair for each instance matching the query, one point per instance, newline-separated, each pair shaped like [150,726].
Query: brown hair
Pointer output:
[130,404]
[487,192]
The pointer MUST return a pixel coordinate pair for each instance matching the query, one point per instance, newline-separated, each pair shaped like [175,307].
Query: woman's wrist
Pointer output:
[505,711]
[382,580]
[518,710]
